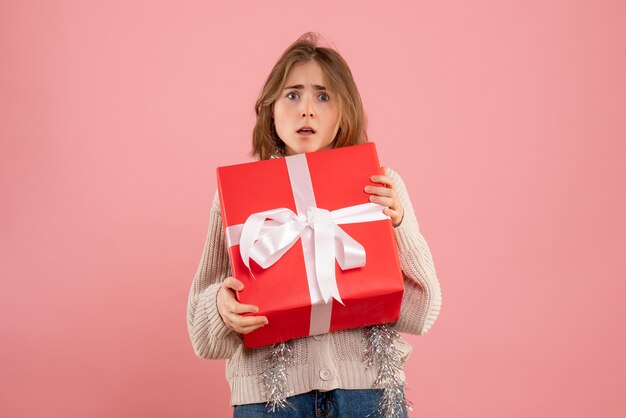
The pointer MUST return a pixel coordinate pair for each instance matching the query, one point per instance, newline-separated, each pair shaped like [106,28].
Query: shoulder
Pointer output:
[215,207]
[216,199]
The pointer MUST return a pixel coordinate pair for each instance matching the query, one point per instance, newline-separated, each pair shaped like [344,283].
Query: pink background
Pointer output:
[506,120]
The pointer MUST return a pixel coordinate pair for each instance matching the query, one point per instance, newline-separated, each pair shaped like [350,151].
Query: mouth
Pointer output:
[306,131]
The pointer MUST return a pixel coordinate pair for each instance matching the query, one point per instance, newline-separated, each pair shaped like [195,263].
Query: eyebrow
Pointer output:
[300,86]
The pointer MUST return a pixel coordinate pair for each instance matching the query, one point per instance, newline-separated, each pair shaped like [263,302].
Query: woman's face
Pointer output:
[305,101]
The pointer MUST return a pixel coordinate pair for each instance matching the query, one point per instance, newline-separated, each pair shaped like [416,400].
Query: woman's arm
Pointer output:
[421,302]
[210,337]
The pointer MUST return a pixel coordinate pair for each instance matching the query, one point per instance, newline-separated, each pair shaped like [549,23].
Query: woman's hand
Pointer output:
[386,196]
[230,310]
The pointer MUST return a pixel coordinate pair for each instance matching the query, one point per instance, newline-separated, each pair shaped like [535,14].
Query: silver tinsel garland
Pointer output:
[274,377]
[381,352]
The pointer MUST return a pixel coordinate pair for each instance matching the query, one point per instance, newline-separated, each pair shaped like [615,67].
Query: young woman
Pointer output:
[309,103]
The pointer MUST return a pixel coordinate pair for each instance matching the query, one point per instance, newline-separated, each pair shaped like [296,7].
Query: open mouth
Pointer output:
[306,131]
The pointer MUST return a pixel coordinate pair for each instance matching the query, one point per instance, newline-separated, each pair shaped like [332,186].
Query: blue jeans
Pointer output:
[338,403]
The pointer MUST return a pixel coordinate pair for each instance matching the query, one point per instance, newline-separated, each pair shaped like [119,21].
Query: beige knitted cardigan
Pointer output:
[322,362]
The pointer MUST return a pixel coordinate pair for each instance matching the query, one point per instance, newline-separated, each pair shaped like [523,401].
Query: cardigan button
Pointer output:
[326,374]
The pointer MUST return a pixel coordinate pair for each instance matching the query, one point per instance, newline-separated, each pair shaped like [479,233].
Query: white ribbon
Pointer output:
[266,236]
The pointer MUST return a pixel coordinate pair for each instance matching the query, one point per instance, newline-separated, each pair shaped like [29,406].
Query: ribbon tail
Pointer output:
[328,287]
[349,253]
[335,293]
[325,256]
[249,234]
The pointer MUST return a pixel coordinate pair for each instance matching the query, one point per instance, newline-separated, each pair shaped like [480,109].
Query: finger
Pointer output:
[242,326]
[240,308]
[380,191]
[385,169]
[247,330]
[393,213]
[385,201]
[232,283]
[233,306]
[383,180]
[248,321]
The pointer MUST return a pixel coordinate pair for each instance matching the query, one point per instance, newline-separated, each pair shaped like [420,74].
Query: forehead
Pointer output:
[306,73]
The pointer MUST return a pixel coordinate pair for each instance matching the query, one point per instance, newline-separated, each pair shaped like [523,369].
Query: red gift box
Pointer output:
[314,254]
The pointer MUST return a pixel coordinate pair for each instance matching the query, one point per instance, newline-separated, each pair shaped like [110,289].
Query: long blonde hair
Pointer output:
[352,122]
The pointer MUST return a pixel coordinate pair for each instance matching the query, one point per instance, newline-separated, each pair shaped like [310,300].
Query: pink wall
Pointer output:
[506,120]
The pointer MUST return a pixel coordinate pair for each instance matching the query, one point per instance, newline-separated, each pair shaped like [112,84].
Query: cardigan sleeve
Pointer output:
[210,337]
[421,302]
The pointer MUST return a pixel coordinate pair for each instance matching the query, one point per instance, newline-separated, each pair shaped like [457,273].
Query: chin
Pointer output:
[310,147]
[311,144]
[301,147]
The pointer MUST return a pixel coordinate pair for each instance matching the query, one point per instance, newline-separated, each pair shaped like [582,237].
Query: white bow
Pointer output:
[267,235]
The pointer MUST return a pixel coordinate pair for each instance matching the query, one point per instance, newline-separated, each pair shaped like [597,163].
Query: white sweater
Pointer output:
[323,362]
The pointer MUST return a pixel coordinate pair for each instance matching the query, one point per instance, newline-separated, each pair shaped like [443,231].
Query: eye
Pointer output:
[289,95]
[326,97]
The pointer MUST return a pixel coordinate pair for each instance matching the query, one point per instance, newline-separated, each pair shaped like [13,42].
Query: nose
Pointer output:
[307,109]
